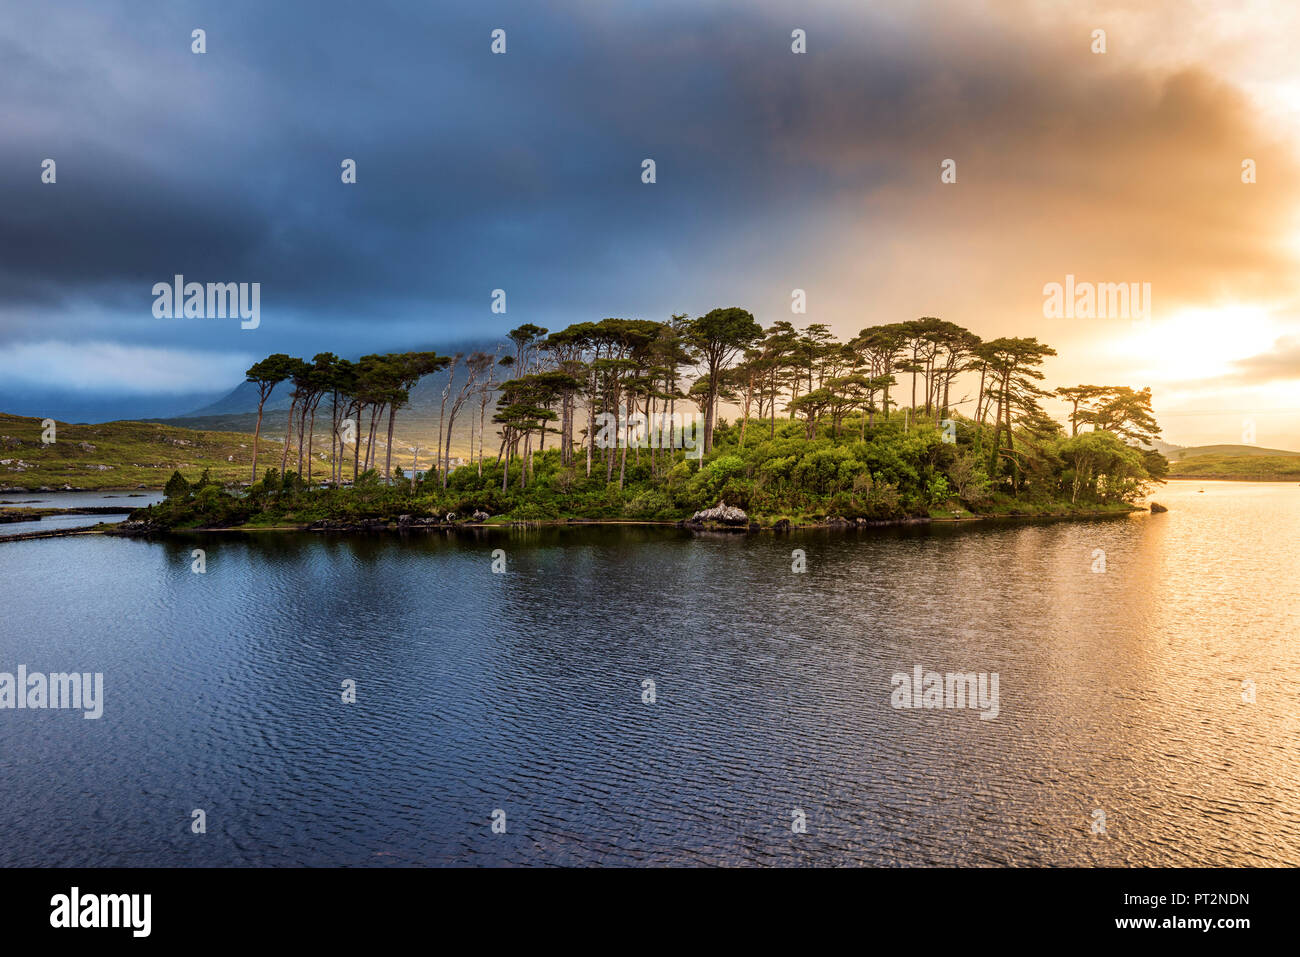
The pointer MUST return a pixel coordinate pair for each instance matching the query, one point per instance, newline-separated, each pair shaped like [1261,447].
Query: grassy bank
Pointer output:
[120,454]
[1246,468]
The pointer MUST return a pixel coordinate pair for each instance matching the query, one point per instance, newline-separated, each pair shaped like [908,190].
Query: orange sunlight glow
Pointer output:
[1198,343]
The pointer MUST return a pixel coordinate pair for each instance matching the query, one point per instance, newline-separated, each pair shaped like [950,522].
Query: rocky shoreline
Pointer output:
[727,518]
[721,518]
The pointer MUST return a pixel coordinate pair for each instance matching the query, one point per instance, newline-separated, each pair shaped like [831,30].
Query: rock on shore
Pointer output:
[723,514]
[139,526]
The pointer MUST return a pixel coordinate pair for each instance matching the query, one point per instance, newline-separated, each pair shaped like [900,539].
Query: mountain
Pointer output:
[65,406]
[242,398]
[417,423]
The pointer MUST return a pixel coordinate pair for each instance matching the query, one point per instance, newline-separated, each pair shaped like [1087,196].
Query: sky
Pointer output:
[775,171]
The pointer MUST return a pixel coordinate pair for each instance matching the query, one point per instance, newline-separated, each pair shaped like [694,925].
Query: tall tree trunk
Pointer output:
[708,419]
[566,456]
[744,416]
[288,437]
[655,435]
[257,437]
[610,453]
[388,456]
[929,383]
[482,415]
[888,374]
[375,411]
[311,437]
[1011,443]
[672,442]
[997,435]
[446,463]
[302,425]
[591,431]
[622,460]
[908,422]
[772,385]
[356,449]
[335,475]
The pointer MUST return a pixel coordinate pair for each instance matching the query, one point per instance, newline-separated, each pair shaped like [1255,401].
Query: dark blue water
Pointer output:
[522,692]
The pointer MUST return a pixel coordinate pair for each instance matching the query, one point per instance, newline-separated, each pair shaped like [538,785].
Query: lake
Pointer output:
[119,498]
[1160,692]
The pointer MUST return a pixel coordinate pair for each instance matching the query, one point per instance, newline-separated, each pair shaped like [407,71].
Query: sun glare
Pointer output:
[1199,343]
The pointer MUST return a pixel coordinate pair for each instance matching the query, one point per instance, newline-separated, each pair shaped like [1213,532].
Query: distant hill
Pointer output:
[1165,449]
[1237,451]
[1255,465]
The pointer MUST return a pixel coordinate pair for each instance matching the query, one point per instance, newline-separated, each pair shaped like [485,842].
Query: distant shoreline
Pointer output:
[1274,480]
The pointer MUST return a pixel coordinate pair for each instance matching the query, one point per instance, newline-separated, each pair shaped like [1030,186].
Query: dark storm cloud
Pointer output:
[475,171]
[522,171]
